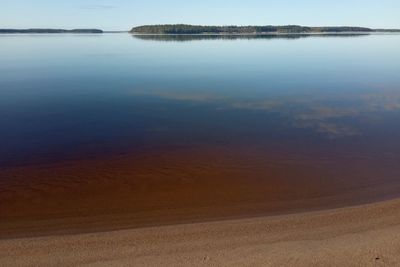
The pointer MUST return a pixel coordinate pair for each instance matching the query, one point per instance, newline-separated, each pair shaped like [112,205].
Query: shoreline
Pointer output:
[206,34]
[185,186]
[364,235]
[81,224]
[97,224]
[262,34]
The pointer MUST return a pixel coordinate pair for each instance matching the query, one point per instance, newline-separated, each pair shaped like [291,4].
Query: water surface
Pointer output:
[176,122]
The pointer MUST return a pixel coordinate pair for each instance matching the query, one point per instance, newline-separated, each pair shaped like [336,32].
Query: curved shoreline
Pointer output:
[75,224]
[175,187]
[364,235]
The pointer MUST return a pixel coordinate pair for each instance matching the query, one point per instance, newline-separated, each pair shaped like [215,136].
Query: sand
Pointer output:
[366,235]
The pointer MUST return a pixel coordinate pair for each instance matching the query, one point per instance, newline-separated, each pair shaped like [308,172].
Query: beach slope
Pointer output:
[367,235]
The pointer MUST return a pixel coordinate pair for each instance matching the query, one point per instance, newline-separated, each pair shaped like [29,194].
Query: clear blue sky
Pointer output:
[123,14]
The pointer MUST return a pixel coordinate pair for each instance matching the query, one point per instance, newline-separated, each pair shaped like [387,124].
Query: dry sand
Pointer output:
[367,235]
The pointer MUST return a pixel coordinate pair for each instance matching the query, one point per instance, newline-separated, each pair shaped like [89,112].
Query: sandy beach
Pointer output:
[200,208]
[367,235]
[196,209]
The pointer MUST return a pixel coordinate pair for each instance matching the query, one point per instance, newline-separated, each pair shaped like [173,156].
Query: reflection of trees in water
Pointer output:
[200,37]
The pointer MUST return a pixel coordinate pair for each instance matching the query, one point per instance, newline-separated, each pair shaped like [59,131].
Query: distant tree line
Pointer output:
[50,31]
[196,29]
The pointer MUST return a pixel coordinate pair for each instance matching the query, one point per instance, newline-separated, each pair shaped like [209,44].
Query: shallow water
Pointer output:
[300,116]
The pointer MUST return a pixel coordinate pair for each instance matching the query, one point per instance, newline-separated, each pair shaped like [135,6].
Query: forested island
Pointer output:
[288,29]
[49,31]
[197,37]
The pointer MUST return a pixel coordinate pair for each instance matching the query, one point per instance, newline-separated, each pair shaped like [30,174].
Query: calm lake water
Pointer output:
[330,105]
[66,96]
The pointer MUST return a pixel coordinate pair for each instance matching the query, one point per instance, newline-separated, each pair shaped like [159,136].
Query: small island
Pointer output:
[288,29]
[43,31]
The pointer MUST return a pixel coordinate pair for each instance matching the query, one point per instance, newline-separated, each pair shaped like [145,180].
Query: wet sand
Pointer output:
[367,235]
[183,186]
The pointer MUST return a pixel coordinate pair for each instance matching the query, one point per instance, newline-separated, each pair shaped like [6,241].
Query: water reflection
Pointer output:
[202,37]
[74,96]
[337,116]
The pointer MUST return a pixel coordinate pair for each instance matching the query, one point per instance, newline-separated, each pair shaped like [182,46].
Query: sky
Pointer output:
[124,14]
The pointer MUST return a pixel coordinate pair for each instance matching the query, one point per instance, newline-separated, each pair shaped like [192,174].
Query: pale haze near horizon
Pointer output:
[124,14]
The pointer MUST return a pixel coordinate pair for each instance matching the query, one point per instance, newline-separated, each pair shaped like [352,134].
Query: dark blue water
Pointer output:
[80,96]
